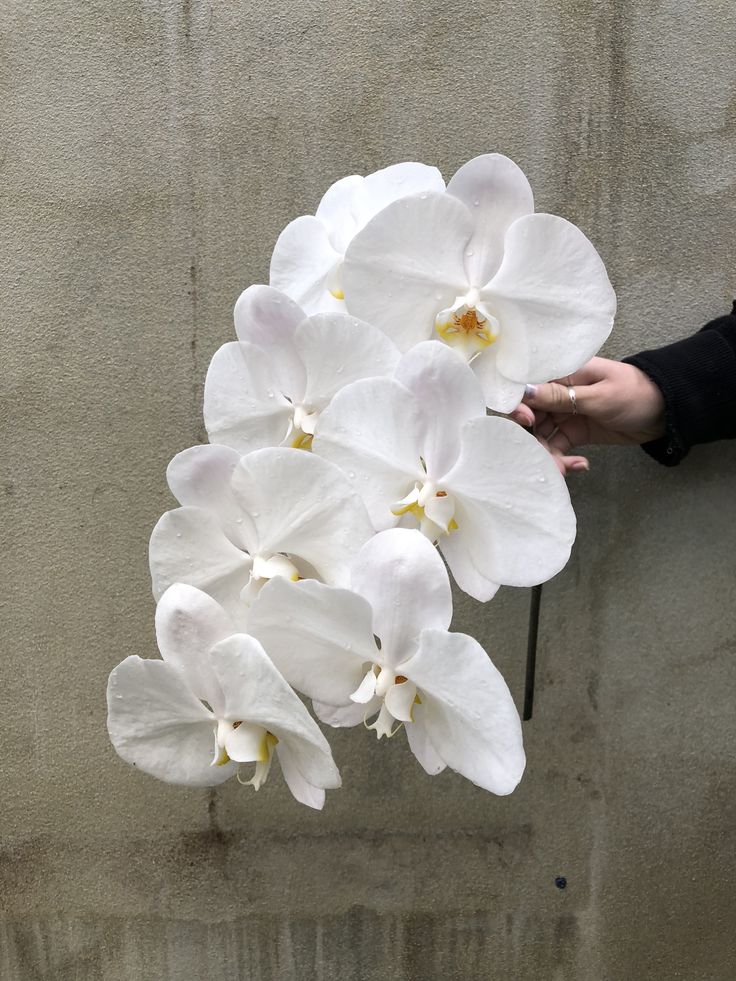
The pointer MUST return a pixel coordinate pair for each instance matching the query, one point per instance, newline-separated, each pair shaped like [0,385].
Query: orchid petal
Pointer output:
[468,711]
[243,407]
[341,211]
[372,431]
[201,477]
[268,318]
[421,745]
[403,578]
[304,506]
[552,298]
[496,192]
[337,349]
[188,546]
[302,261]
[157,724]
[304,791]
[255,692]
[500,393]
[366,690]
[345,716]
[398,181]
[319,637]
[455,553]
[188,624]
[407,264]
[513,509]
[447,395]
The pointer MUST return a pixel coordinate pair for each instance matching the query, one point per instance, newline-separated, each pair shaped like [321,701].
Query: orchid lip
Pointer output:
[255,744]
[433,508]
[398,697]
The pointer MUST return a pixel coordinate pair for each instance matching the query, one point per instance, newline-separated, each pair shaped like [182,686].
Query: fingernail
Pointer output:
[581,465]
[530,391]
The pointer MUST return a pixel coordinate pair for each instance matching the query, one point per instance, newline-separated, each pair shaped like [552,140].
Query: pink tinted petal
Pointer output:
[403,578]
[267,318]
[447,395]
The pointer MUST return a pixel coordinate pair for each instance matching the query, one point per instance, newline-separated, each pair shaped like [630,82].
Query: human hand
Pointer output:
[615,402]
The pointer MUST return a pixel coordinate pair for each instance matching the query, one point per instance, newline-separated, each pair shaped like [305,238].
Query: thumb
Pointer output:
[557,398]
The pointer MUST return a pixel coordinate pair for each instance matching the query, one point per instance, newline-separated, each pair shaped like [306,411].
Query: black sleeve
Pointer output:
[697,377]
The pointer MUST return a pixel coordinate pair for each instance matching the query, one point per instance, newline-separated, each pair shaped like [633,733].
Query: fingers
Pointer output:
[523,415]
[555,397]
[572,464]
[554,439]
[565,462]
[595,370]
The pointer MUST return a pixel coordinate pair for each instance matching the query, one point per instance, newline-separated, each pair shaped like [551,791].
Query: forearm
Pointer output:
[697,377]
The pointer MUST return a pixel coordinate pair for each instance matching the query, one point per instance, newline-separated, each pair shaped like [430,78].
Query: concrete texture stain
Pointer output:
[151,153]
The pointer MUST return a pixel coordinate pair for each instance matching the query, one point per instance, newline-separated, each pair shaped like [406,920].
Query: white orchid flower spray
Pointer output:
[524,297]
[268,387]
[307,260]
[420,450]
[214,707]
[440,686]
[245,519]
[351,459]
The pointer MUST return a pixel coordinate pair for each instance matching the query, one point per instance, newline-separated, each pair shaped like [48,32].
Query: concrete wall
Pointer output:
[150,153]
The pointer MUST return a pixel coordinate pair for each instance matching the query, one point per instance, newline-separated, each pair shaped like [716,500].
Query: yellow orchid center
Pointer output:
[467,327]
[302,427]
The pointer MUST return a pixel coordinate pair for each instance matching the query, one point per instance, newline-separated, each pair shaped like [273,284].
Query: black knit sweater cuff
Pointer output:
[697,377]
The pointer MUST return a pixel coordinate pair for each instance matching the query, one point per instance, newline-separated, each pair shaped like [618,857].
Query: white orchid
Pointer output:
[268,388]
[214,703]
[273,512]
[420,450]
[524,295]
[307,259]
[454,704]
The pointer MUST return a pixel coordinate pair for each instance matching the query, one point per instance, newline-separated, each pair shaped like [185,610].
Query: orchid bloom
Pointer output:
[273,512]
[440,686]
[268,388]
[307,259]
[524,297]
[421,451]
[214,703]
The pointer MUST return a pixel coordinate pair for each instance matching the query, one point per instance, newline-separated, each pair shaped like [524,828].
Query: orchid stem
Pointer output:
[531,652]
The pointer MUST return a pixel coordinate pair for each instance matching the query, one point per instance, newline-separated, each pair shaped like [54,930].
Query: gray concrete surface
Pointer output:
[150,153]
